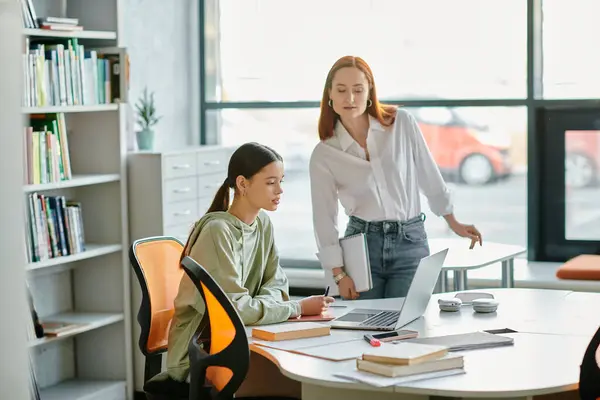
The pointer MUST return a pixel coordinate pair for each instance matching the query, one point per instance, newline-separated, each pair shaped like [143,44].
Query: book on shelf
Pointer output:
[32,21]
[68,74]
[47,150]
[59,328]
[34,330]
[29,15]
[59,24]
[55,227]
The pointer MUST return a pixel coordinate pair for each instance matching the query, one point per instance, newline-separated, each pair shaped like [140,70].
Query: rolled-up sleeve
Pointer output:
[324,198]
[429,178]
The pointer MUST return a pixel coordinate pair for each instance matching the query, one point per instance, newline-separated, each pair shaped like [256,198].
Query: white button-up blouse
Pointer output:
[384,188]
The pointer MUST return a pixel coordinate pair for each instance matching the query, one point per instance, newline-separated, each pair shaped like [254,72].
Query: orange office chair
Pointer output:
[219,349]
[589,375]
[155,261]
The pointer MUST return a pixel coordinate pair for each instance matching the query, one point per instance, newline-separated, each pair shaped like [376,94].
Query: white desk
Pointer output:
[554,328]
[460,259]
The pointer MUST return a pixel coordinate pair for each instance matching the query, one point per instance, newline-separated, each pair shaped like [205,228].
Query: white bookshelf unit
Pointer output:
[88,286]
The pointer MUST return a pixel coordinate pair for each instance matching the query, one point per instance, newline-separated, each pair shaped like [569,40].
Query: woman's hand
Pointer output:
[468,231]
[347,288]
[315,305]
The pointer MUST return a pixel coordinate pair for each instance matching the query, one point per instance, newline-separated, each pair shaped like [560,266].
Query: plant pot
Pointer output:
[145,139]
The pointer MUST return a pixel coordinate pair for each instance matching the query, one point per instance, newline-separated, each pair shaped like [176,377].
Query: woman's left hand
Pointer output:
[468,231]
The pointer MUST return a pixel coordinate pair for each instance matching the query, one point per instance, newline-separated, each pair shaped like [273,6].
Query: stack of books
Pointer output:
[409,359]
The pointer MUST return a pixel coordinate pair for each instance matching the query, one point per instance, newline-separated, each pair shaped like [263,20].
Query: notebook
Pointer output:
[355,254]
[466,341]
[290,331]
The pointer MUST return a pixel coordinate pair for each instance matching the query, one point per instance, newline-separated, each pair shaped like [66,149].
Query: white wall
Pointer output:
[162,41]
[13,337]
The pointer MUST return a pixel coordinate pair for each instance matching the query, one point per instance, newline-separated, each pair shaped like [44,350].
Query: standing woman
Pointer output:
[374,159]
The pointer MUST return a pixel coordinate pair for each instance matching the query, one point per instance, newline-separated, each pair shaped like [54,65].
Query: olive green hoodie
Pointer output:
[243,260]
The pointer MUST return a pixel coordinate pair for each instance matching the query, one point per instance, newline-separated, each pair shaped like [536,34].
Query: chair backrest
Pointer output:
[589,373]
[155,261]
[219,349]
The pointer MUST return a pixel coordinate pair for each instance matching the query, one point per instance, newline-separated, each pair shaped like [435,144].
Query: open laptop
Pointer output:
[409,308]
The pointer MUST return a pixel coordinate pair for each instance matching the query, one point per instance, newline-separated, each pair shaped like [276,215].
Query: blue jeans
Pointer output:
[395,250]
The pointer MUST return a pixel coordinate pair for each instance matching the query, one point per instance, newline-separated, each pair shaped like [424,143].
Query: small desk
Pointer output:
[460,259]
[554,327]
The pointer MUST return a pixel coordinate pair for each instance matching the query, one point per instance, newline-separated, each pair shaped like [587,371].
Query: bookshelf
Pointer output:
[75,195]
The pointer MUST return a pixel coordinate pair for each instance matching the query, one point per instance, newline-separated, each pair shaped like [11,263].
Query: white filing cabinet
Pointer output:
[168,192]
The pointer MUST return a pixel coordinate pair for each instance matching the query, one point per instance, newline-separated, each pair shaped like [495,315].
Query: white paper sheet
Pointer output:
[385,381]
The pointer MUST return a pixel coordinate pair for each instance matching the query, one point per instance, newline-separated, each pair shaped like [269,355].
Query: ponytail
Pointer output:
[221,200]
[219,203]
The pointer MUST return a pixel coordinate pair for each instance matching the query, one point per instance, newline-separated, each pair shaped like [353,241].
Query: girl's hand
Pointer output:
[315,305]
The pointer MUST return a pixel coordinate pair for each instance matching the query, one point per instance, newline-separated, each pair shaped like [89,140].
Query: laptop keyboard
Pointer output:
[384,318]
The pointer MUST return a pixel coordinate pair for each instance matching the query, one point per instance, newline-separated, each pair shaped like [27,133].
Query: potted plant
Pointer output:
[146,119]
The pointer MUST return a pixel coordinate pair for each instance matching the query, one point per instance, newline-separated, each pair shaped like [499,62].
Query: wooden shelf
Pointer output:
[92,250]
[84,390]
[89,321]
[76,181]
[70,109]
[106,35]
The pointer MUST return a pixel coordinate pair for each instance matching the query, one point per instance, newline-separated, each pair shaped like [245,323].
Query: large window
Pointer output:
[475,74]
[571,60]
[582,184]
[481,152]
[280,50]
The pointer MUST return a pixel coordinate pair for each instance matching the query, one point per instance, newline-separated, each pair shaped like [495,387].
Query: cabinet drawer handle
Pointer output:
[182,213]
[214,162]
[182,190]
[213,186]
[182,166]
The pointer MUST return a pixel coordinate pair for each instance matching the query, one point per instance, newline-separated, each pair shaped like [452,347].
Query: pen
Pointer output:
[372,341]
[326,291]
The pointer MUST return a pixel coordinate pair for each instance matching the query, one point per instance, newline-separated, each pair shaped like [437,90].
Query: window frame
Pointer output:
[533,102]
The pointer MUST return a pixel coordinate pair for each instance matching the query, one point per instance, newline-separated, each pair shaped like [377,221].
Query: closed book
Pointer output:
[297,330]
[355,253]
[466,341]
[440,364]
[404,353]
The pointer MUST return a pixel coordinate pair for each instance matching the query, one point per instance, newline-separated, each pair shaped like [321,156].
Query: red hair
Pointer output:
[385,114]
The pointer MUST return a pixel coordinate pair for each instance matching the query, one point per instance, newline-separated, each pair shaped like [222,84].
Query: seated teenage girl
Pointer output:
[235,244]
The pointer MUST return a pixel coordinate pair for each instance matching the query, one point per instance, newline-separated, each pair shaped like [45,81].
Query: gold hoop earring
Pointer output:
[369,103]
[330,103]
